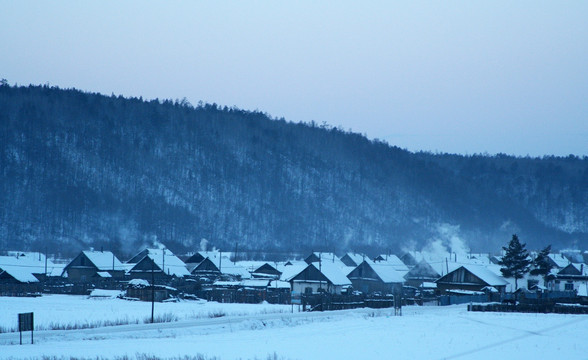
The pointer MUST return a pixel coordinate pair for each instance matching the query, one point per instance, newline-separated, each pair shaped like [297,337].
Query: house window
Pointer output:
[569,286]
[308,290]
[531,283]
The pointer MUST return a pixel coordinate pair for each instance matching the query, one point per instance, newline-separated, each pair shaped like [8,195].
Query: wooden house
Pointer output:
[20,267]
[408,259]
[391,260]
[369,277]
[157,263]
[90,265]
[322,257]
[352,259]
[197,258]
[266,271]
[421,273]
[204,268]
[329,278]
[470,278]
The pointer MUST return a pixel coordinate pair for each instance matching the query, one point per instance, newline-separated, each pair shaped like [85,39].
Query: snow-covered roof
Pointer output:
[388,273]
[334,273]
[102,293]
[428,285]
[172,265]
[255,283]
[290,271]
[559,260]
[278,284]
[103,274]
[394,261]
[20,270]
[138,283]
[22,265]
[229,268]
[357,258]
[486,275]
[251,266]
[104,260]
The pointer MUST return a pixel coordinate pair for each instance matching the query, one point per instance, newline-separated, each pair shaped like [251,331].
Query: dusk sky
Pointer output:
[460,77]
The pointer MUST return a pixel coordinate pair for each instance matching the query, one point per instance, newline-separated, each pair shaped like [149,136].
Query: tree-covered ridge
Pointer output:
[91,170]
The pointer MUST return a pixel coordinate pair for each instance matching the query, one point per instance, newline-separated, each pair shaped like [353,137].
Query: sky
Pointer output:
[447,76]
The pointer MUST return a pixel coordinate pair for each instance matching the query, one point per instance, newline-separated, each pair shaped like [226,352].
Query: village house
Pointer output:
[369,277]
[90,265]
[266,271]
[19,267]
[391,260]
[204,268]
[323,257]
[573,277]
[352,259]
[470,278]
[421,273]
[317,278]
[161,264]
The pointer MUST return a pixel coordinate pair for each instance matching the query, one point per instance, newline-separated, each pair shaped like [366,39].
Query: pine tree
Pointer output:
[542,266]
[515,262]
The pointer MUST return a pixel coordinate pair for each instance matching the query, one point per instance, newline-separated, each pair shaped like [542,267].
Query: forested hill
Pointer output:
[81,170]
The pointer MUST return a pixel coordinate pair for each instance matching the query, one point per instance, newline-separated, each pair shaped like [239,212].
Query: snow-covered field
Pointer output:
[68,311]
[259,331]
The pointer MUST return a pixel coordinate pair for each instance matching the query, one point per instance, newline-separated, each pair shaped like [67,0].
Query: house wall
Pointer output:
[301,286]
[81,273]
[560,284]
[368,286]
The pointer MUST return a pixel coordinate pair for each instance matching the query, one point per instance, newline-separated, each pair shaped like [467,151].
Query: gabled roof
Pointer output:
[481,272]
[22,265]
[334,273]
[323,256]
[559,260]
[104,260]
[422,270]
[17,269]
[574,269]
[290,271]
[166,261]
[356,258]
[391,260]
[387,273]
[206,266]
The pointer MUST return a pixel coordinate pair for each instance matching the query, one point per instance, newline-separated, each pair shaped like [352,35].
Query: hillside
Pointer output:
[81,169]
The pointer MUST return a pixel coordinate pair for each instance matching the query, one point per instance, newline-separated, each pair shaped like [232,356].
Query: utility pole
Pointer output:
[45,262]
[152,290]
[321,281]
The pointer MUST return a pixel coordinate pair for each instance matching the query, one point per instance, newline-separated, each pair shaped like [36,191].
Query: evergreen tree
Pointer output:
[515,262]
[542,266]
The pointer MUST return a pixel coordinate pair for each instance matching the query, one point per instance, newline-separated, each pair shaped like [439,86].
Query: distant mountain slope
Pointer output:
[81,170]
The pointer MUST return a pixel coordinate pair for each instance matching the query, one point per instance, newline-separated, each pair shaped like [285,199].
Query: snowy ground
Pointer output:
[67,311]
[421,333]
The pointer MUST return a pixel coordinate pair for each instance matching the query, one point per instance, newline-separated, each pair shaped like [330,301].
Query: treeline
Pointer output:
[81,169]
